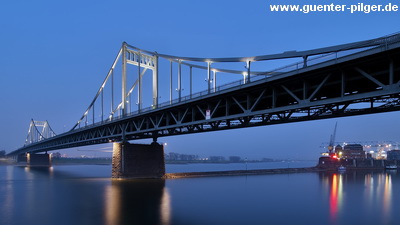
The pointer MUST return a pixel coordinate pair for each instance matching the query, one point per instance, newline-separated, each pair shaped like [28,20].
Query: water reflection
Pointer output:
[8,200]
[357,191]
[84,195]
[336,195]
[387,197]
[137,202]
[369,191]
[33,172]
[379,193]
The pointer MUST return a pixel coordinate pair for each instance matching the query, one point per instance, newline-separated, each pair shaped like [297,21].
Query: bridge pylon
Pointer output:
[38,131]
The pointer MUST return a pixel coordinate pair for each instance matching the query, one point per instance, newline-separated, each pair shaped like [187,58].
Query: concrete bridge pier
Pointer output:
[138,160]
[38,159]
[21,158]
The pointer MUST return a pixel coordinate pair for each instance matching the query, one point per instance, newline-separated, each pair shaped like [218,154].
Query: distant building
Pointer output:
[172,156]
[55,155]
[393,155]
[352,151]
[234,159]
[338,148]
[217,158]
[184,157]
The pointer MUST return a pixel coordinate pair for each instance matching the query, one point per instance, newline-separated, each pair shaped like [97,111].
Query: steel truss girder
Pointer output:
[370,84]
[91,136]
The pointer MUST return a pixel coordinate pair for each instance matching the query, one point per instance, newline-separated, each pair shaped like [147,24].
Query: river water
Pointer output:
[86,195]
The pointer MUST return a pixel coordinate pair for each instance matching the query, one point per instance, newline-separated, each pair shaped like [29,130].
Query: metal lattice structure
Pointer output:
[344,80]
[39,131]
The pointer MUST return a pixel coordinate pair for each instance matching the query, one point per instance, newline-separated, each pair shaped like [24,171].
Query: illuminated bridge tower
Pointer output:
[138,160]
[38,131]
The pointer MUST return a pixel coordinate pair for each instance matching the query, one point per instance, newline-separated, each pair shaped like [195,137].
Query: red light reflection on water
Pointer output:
[335,196]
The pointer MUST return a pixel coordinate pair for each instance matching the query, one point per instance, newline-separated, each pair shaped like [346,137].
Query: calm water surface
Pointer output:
[86,195]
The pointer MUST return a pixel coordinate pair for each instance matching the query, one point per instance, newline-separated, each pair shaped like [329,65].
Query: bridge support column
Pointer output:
[21,158]
[138,160]
[38,159]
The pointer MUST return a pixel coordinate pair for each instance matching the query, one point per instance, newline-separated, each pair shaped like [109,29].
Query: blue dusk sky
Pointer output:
[55,54]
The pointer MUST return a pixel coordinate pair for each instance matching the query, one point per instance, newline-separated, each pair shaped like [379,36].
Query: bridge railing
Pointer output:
[285,69]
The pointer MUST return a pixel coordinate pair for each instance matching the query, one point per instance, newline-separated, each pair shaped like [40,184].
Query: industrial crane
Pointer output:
[331,145]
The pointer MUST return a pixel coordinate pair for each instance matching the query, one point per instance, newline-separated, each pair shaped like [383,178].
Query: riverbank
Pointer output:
[241,172]
[328,163]
[5,161]
[81,161]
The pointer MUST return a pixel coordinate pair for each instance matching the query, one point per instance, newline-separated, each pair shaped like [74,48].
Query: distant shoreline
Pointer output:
[108,161]
[241,172]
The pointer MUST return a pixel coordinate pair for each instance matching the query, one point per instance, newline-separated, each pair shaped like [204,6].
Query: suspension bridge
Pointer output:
[343,80]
